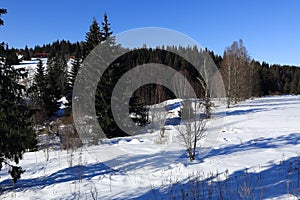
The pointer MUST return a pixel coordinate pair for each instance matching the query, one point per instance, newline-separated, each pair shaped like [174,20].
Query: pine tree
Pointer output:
[92,38]
[104,91]
[38,94]
[56,82]
[76,64]
[17,135]
[26,55]
[138,109]
[106,30]
[40,83]
[11,57]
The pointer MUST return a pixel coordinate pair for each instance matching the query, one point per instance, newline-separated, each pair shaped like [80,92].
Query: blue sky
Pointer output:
[270,29]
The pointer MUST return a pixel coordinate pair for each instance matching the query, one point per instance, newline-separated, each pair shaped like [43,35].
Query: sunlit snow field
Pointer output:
[255,154]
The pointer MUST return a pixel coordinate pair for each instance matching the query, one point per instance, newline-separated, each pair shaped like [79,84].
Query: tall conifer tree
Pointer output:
[76,64]
[106,30]
[56,82]
[26,55]
[17,134]
[92,38]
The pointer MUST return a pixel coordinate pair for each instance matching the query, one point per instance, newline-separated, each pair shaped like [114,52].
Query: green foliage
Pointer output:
[95,36]
[106,30]
[145,95]
[92,38]
[16,172]
[56,82]
[26,55]
[40,83]
[251,77]
[2,12]
[11,57]
[276,79]
[37,93]
[138,109]
[216,58]
[76,64]
[65,47]
[255,79]
[17,134]
[104,91]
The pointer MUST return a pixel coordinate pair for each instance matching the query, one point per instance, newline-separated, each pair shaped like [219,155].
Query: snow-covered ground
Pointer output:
[31,66]
[255,155]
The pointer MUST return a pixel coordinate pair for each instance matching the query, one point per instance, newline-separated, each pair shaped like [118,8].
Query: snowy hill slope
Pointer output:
[255,156]
[31,66]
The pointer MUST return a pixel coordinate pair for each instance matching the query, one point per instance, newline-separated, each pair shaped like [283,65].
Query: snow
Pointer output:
[63,101]
[31,66]
[251,152]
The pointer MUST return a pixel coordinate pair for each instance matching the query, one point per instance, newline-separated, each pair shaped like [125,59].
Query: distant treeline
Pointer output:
[269,79]
[63,46]
[272,79]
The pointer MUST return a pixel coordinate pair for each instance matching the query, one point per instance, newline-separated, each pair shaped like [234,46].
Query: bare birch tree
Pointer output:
[236,72]
[207,101]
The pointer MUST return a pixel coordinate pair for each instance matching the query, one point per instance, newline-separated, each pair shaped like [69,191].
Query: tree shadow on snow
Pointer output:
[65,175]
[271,102]
[275,181]
[258,143]
[119,165]
[242,112]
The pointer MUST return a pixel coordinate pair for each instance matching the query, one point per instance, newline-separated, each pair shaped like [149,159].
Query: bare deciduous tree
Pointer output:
[207,102]
[237,72]
[193,128]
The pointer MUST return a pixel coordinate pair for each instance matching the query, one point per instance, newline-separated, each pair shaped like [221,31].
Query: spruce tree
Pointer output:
[138,109]
[17,135]
[104,90]
[103,96]
[76,64]
[38,94]
[11,57]
[40,84]
[56,86]
[106,30]
[92,38]
[26,55]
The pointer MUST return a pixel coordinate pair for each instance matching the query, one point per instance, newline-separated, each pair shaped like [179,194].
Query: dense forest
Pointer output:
[268,78]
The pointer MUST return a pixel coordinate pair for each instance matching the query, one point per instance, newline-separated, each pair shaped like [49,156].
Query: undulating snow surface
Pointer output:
[255,155]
